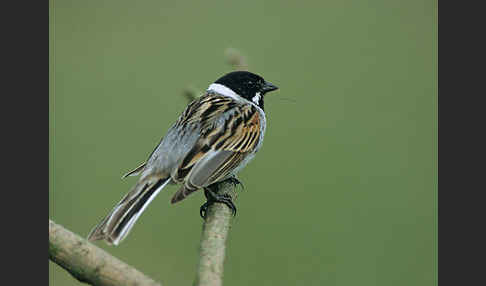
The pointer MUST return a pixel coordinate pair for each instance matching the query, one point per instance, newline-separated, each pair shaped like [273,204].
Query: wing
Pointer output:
[185,134]
[230,131]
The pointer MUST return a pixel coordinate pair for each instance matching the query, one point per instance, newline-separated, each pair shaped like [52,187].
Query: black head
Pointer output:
[248,85]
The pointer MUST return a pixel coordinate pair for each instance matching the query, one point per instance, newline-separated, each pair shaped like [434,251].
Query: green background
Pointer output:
[344,190]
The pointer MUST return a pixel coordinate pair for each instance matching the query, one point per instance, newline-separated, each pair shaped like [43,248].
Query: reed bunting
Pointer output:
[212,140]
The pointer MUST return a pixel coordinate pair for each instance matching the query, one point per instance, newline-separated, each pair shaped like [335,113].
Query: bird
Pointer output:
[215,137]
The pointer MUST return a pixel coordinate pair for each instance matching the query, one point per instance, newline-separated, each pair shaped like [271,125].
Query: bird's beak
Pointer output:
[268,86]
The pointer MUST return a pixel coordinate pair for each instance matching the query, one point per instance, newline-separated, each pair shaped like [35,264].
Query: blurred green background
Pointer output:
[344,190]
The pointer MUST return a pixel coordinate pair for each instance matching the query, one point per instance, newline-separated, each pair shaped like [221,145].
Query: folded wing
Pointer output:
[228,137]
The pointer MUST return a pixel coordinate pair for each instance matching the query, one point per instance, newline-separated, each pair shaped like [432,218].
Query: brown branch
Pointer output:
[236,59]
[191,93]
[233,57]
[89,263]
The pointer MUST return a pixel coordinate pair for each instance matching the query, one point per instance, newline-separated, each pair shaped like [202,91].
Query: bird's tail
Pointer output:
[117,224]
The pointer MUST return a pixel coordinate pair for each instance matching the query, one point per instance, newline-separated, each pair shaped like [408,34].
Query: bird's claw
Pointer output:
[212,198]
[235,182]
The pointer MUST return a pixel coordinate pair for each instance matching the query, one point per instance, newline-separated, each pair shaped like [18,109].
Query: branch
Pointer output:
[236,59]
[191,93]
[215,231]
[89,263]
[233,57]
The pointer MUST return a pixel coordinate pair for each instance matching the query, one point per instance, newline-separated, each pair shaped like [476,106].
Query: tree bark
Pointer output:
[213,239]
[89,263]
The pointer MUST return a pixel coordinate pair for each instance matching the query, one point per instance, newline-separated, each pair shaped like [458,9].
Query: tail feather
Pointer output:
[118,223]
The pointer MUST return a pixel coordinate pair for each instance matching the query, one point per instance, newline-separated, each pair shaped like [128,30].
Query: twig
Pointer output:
[191,93]
[236,59]
[213,239]
[89,263]
[233,57]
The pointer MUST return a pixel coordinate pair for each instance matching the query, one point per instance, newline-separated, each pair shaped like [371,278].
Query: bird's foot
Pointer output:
[212,197]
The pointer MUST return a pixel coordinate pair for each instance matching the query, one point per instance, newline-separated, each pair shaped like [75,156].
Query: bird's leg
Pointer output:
[213,197]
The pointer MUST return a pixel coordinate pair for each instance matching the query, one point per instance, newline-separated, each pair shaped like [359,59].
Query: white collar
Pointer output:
[223,90]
